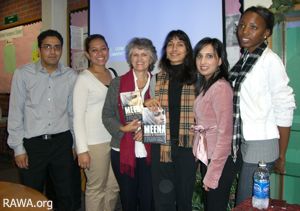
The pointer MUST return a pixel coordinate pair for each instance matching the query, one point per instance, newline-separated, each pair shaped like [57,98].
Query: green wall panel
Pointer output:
[286,43]
[291,189]
[292,49]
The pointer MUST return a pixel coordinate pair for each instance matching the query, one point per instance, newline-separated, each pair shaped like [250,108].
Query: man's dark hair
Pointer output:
[49,33]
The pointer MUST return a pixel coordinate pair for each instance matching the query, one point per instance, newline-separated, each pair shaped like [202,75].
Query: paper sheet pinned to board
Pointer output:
[79,61]
[77,34]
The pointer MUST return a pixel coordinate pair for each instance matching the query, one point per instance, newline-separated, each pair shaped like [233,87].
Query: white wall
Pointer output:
[55,16]
[264,3]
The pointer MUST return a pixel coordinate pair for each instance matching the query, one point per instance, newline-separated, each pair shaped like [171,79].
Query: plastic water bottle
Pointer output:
[261,186]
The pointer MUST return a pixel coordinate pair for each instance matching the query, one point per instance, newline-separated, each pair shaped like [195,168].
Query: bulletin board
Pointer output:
[233,9]
[78,33]
[18,47]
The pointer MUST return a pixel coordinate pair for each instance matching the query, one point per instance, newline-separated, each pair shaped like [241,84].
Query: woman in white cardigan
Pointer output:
[92,139]
[263,102]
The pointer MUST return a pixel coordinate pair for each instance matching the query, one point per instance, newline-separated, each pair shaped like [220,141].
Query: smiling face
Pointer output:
[176,51]
[140,59]
[207,61]
[98,52]
[252,31]
[50,53]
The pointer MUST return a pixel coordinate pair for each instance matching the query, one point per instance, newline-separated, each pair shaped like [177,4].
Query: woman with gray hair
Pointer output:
[130,158]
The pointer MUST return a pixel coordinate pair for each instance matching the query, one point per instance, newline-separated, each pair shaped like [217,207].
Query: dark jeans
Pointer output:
[217,199]
[174,182]
[55,157]
[135,192]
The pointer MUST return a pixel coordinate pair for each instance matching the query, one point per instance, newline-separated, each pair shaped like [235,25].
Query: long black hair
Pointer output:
[186,75]
[202,84]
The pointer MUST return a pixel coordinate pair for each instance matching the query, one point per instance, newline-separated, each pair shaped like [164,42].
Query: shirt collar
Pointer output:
[40,68]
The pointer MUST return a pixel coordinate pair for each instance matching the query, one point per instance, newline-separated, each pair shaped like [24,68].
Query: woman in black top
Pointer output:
[173,164]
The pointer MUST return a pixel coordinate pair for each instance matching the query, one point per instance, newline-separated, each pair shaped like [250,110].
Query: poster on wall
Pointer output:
[78,32]
[232,16]
[18,47]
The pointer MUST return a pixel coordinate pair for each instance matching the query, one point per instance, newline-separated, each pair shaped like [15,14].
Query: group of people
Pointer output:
[225,120]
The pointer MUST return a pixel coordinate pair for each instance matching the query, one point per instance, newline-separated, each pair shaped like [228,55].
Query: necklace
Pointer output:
[141,83]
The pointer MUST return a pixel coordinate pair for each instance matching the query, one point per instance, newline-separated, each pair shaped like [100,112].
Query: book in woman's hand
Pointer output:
[154,126]
[132,105]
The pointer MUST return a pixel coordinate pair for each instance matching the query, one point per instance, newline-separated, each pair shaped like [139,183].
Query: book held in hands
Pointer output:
[132,105]
[154,126]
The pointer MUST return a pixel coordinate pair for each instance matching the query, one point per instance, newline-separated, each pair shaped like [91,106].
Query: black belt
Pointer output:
[49,136]
[46,136]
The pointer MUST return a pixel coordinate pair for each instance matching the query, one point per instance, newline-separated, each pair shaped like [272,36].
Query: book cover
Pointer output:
[154,126]
[132,105]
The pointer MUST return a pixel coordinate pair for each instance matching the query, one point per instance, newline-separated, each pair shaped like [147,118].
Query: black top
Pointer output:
[175,88]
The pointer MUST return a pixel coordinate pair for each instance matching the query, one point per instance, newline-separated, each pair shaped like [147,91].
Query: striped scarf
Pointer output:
[186,136]
[237,75]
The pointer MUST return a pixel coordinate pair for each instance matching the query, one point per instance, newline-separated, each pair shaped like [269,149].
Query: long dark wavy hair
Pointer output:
[187,75]
[202,85]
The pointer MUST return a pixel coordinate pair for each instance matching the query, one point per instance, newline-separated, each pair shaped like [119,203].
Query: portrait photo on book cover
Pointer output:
[132,105]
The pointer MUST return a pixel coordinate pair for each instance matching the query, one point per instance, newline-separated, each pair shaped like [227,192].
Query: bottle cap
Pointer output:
[262,163]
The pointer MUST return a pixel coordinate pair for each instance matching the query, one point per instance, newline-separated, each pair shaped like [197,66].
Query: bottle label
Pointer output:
[261,189]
